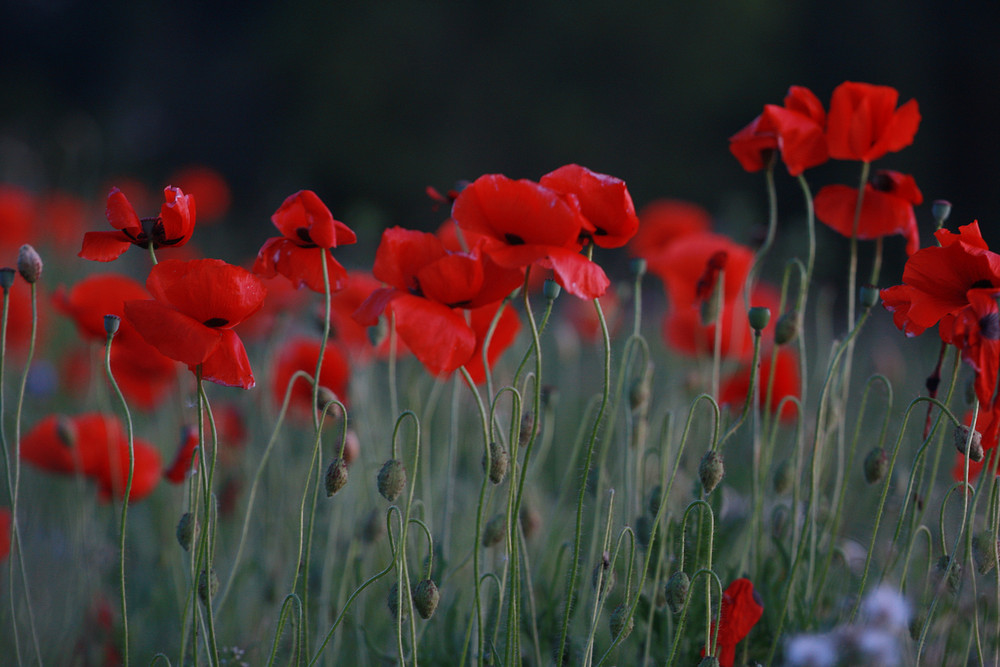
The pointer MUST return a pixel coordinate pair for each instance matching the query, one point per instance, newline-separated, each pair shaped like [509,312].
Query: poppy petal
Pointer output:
[437,335]
[578,275]
[104,246]
[120,213]
[228,364]
[173,333]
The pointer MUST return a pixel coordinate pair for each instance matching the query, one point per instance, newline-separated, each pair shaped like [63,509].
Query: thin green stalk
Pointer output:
[772,226]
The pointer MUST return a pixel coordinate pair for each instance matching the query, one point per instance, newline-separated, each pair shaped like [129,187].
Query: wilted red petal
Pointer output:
[739,611]
[173,333]
[104,246]
[228,364]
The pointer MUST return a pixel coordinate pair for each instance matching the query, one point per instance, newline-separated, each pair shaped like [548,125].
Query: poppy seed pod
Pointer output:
[426,597]
[940,209]
[111,324]
[527,426]
[208,585]
[786,328]
[551,289]
[975,443]
[869,296]
[621,622]
[494,531]
[187,530]
[711,470]
[499,461]
[29,264]
[758,317]
[876,465]
[638,267]
[336,476]
[6,278]
[391,479]
[984,551]
[676,589]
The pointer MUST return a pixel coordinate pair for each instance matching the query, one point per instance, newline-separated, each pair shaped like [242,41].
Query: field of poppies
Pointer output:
[556,431]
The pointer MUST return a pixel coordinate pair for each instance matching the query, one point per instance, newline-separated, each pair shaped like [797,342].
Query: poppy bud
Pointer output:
[653,500]
[948,572]
[187,530]
[498,462]
[531,520]
[784,477]
[111,324]
[326,396]
[759,317]
[638,393]
[876,465]
[603,575]
[336,476]
[373,528]
[676,590]
[869,296]
[391,479]
[378,332]
[393,602]
[208,585]
[984,551]
[29,264]
[975,444]
[494,531]
[6,278]
[551,289]
[426,597]
[621,622]
[637,267]
[711,470]
[940,209]
[527,426]
[787,327]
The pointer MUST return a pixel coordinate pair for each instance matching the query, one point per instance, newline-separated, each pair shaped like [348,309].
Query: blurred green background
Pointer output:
[370,102]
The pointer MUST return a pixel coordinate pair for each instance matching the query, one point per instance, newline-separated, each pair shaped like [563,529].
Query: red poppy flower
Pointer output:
[886,208]
[344,328]
[976,332]
[663,221]
[786,383]
[96,296]
[5,523]
[19,316]
[609,215]
[306,224]
[173,227]
[795,129]
[96,446]
[503,336]
[937,280]
[740,610]
[183,462]
[210,190]
[530,224]
[582,316]
[194,308]
[301,354]
[18,212]
[685,332]
[687,261]
[864,123]
[65,217]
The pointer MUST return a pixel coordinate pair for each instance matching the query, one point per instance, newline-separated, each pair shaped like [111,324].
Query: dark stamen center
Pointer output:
[215,322]
[513,239]
[989,326]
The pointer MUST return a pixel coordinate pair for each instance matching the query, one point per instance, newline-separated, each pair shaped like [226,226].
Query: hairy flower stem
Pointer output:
[772,225]
[125,497]
[208,532]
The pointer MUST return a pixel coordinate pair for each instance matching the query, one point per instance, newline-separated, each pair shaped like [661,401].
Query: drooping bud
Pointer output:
[391,479]
[527,426]
[494,531]
[6,278]
[676,590]
[393,602]
[948,572]
[787,327]
[603,575]
[111,324]
[426,597]
[711,470]
[531,520]
[551,289]
[876,465]
[975,443]
[187,530]
[336,476]
[208,585]
[373,527]
[621,622]
[324,396]
[759,316]
[29,264]
[784,477]
[869,296]
[984,551]
[940,209]
[498,462]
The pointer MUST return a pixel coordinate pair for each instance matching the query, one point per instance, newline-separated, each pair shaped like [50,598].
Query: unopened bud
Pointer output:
[373,527]
[208,585]
[975,443]
[393,602]
[786,328]
[494,531]
[603,576]
[187,530]
[29,264]
[676,590]
[551,289]
[391,479]
[869,296]
[711,470]
[638,393]
[940,209]
[621,622]
[497,463]
[324,397]
[531,520]
[111,324]
[876,465]
[638,267]
[527,426]
[984,551]
[426,597]
[759,316]
[784,477]
[6,278]
[336,476]
[948,572]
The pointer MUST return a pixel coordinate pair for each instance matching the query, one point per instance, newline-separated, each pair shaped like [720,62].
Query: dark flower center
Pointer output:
[513,239]
[152,231]
[215,322]
[881,182]
[984,282]
[303,234]
[989,326]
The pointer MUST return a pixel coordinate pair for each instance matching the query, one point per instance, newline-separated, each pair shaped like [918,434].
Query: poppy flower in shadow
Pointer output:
[740,610]
[503,337]
[210,190]
[864,123]
[184,462]
[173,227]
[301,354]
[886,208]
[663,221]
[976,333]
[796,130]
[786,383]
[191,317]
[609,215]
[306,224]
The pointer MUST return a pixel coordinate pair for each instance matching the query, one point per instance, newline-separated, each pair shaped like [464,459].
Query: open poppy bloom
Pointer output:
[864,123]
[663,221]
[191,317]
[609,215]
[305,224]
[937,280]
[739,611]
[527,223]
[886,208]
[173,227]
[301,354]
[796,129]
[96,446]
[786,383]
[183,462]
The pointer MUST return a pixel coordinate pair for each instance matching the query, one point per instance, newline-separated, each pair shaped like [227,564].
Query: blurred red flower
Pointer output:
[609,215]
[740,610]
[173,227]
[988,425]
[306,224]
[976,333]
[864,123]
[18,212]
[301,354]
[183,462]
[5,527]
[191,317]
[663,221]
[528,224]
[786,383]
[796,129]
[344,328]
[19,316]
[504,335]
[886,208]
[582,316]
[210,190]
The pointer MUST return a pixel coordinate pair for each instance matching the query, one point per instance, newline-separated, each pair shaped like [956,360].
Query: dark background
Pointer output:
[369,102]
